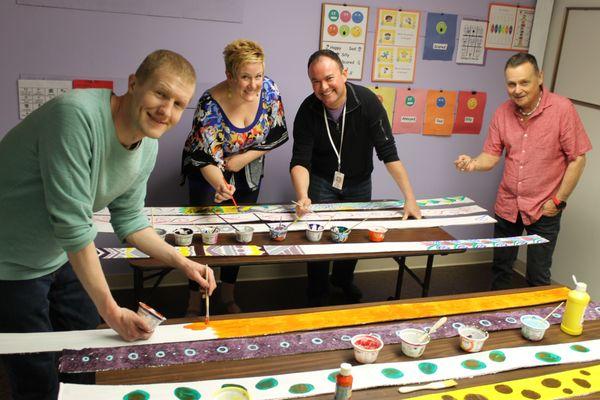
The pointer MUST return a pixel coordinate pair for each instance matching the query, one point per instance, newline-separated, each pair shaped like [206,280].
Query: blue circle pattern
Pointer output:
[284,345]
[457,325]
[133,356]
[511,320]
[189,352]
[485,322]
[317,341]
[222,349]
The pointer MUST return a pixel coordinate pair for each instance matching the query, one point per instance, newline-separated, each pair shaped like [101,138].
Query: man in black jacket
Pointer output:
[335,131]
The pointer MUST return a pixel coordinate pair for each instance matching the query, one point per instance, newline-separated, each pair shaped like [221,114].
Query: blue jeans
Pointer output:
[342,274]
[202,193]
[539,256]
[54,302]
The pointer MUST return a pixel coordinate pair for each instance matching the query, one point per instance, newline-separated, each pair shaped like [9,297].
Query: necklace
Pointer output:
[527,114]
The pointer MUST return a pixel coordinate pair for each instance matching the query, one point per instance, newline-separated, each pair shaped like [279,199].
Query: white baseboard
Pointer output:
[283,271]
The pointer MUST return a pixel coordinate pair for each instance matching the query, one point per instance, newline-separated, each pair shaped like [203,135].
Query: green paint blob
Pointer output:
[186,393]
[392,373]
[428,368]
[473,364]
[332,376]
[547,357]
[579,348]
[137,395]
[266,384]
[301,388]
[497,356]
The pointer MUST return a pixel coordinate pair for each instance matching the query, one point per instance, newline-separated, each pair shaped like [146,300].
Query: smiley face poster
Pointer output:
[344,30]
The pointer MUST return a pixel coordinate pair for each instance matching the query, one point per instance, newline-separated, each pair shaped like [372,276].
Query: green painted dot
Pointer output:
[473,364]
[331,376]
[266,384]
[392,373]
[186,393]
[497,356]
[579,348]
[137,395]
[301,388]
[428,368]
[547,357]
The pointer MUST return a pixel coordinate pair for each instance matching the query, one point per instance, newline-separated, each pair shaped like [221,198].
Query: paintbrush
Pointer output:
[301,206]
[152,216]
[207,316]
[262,220]
[232,198]
[293,222]
[355,225]
[433,385]
[227,222]
[553,311]
[434,328]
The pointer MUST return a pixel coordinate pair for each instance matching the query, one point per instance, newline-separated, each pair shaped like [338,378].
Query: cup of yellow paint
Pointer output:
[412,344]
[152,317]
[366,348]
[183,236]
[533,327]
[231,393]
[472,338]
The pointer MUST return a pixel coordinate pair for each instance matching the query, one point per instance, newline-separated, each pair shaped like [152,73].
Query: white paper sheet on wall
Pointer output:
[34,93]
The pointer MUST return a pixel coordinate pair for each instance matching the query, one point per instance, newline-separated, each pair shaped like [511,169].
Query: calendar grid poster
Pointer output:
[471,42]
[395,49]
[344,30]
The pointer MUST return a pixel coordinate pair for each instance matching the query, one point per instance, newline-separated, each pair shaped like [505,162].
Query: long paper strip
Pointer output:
[156,355]
[560,385]
[302,225]
[384,247]
[312,383]
[370,205]
[12,343]
[132,252]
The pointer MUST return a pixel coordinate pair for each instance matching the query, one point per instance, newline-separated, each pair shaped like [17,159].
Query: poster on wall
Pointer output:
[395,49]
[387,96]
[439,112]
[409,110]
[471,41]
[440,34]
[509,27]
[469,112]
[344,30]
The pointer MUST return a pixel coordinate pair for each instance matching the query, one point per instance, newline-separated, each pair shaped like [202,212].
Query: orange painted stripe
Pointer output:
[245,327]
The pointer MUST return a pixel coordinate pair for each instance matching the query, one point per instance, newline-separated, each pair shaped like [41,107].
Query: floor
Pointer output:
[290,293]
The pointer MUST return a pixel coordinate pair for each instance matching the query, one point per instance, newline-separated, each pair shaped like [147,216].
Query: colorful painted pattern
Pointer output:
[561,385]
[367,376]
[105,359]
[131,252]
[233,250]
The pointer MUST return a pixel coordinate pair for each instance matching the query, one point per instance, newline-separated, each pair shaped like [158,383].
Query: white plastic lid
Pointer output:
[345,369]
[581,287]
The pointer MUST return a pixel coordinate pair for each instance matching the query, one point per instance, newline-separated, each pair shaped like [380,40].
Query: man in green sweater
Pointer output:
[75,155]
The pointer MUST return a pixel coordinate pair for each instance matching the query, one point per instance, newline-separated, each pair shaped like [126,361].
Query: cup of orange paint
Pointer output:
[377,234]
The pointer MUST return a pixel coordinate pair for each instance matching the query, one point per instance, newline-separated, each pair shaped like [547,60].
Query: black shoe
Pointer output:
[351,291]
[318,300]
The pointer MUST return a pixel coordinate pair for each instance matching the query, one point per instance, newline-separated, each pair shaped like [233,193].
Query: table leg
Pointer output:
[427,280]
[401,267]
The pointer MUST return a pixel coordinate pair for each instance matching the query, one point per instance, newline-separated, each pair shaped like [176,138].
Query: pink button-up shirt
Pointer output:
[538,152]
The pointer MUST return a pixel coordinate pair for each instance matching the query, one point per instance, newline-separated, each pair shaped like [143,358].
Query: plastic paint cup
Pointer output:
[411,345]
[161,232]
[472,338]
[366,348]
[339,234]
[314,232]
[152,317]
[209,235]
[183,236]
[377,234]
[278,233]
[231,393]
[534,327]
[244,234]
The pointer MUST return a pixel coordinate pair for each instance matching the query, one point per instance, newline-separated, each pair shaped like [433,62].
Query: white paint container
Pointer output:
[366,348]
[244,234]
[472,338]
[411,345]
[209,235]
[533,327]
[183,236]
[314,232]
[161,233]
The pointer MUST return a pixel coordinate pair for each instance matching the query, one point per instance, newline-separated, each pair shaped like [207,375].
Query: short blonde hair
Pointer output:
[242,51]
[168,59]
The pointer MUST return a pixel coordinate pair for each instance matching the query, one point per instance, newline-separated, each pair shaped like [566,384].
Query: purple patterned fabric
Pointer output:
[156,355]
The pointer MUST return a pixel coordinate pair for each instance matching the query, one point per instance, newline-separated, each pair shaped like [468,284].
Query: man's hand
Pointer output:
[127,324]
[303,207]
[465,163]
[549,209]
[200,273]
[224,192]
[411,209]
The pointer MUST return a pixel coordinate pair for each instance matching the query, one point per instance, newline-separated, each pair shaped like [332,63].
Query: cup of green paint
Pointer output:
[339,234]
[414,342]
[472,338]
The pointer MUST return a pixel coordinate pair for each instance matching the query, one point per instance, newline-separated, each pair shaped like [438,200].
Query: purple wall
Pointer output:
[62,43]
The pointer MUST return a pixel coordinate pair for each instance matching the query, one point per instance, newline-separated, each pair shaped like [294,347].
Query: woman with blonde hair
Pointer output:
[235,124]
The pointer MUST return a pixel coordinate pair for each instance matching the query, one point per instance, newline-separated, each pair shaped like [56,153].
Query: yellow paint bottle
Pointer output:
[577,301]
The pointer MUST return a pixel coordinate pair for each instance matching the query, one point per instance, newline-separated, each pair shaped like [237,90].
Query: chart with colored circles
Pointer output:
[344,30]
[509,27]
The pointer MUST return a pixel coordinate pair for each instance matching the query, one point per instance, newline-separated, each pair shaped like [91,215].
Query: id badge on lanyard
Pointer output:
[338,176]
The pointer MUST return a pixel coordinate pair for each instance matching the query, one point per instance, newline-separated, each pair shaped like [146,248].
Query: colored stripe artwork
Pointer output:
[131,252]
[561,385]
[157,355]
[233,250]
[12,343]
[312,383]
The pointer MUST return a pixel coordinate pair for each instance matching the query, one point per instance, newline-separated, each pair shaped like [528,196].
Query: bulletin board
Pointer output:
[344,30]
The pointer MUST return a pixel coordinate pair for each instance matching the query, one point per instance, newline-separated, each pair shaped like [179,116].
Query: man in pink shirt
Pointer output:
[545,144]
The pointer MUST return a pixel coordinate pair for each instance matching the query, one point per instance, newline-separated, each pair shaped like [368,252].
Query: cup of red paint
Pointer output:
[366,347]
[152,317]
[377,234]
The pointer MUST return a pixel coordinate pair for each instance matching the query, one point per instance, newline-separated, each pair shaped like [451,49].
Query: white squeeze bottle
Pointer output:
[577,301]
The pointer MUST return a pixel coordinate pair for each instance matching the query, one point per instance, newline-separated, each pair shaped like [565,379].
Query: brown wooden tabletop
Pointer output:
[332,359]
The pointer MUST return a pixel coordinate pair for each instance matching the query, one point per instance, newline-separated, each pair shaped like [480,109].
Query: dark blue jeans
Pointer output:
[202,193]
[539,256]
[54,302]
[342,274]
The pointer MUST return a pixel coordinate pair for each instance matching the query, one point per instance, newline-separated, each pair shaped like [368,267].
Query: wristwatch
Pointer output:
[560,205]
